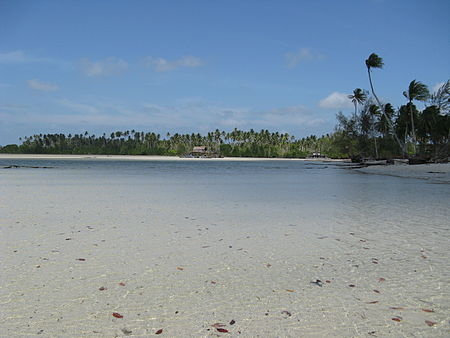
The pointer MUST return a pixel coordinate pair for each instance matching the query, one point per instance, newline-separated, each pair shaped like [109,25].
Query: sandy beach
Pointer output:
[157,158]
[98,256]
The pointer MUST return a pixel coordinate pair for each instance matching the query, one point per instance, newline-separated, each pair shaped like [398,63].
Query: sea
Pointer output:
[276,244]
[324,193]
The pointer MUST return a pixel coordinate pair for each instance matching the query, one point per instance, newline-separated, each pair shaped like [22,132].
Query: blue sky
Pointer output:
[194,66]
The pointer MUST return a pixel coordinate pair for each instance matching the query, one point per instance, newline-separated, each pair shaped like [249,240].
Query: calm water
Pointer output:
[308,219]
[296,187]
[283,181]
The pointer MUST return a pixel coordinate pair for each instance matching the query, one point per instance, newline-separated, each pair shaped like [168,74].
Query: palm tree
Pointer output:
[441,98]
[374,61]
[358,97]
[416,91]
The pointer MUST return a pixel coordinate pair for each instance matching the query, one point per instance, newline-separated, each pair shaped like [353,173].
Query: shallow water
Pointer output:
[262,230]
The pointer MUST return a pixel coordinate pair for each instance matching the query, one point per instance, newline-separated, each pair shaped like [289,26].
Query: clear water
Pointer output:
[307,219]
[284,182]
[320,194]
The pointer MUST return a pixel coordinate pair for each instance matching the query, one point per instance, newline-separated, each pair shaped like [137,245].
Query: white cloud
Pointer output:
[163,65]
[109,66]
[19,56]
[437,86]
[78,107]
[43,86]
[302,55]
[188,115]
[336,100]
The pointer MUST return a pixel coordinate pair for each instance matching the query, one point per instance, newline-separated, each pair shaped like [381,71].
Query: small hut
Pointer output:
[200,151]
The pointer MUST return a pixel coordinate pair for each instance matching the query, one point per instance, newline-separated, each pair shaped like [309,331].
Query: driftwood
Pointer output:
[417,161]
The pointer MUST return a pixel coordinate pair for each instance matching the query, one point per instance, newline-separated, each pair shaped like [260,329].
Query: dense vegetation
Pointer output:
[378,130]
[373,130]
[236,143]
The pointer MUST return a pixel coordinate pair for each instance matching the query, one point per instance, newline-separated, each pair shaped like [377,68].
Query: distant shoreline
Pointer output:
[159,158]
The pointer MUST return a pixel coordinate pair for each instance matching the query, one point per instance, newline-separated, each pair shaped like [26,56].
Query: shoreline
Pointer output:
[158,158]
[432,171]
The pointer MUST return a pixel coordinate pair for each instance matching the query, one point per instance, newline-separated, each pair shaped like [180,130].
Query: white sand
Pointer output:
[187,263]
[435,172]
[156,158]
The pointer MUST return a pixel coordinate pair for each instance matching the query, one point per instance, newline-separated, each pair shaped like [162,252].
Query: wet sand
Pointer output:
[79,252]
[435,171]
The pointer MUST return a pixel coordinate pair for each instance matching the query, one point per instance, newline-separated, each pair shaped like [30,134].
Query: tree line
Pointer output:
[237,143]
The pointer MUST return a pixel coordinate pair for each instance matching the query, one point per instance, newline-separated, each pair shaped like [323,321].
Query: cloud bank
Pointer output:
[195,115]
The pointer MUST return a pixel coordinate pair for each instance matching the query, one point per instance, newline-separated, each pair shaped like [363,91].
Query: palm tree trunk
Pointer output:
[402,147]
[376,147]
[413,130]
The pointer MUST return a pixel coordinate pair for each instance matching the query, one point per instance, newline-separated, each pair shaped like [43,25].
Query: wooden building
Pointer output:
[202,151]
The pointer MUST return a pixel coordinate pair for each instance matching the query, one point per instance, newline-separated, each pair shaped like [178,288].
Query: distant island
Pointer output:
[375,130]
[236,143]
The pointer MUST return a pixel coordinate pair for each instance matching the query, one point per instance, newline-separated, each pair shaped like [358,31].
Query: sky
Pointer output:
[196,66]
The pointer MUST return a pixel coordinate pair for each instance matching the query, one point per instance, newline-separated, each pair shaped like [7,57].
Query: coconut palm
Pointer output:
[416,91]
[358,97]
[374,61]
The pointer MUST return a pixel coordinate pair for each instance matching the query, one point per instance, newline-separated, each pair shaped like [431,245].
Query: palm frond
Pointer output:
[374,61]
[417,91]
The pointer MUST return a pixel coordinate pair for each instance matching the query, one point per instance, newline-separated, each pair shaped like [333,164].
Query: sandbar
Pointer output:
[158,158]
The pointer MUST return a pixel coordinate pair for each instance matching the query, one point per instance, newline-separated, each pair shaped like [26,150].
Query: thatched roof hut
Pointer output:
[201,150]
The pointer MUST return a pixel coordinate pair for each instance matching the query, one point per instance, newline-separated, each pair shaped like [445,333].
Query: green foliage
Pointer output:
[374,61]
[416,91]
[10,149]
[236,143]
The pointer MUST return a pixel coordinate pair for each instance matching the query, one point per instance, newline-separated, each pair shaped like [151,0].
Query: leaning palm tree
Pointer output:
[416,91]
[374,61]
[358,97]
